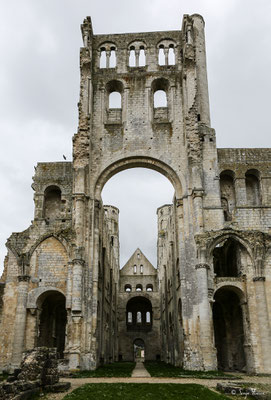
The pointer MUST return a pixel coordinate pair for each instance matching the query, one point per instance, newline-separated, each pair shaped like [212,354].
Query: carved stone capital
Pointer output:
[202,265]
[23,278]
[197,193]
[179,202]
[259,279]
[78,261]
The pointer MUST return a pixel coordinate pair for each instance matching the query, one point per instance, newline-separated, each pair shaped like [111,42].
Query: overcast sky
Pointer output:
[39,87]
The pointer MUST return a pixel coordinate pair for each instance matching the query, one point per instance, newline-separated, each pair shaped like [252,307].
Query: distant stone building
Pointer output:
[208,303]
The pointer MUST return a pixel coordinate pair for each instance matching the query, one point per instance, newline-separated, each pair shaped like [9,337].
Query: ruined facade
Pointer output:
[208,304]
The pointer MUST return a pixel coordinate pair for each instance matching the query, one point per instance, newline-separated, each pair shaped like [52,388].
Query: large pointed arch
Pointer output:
[177,181]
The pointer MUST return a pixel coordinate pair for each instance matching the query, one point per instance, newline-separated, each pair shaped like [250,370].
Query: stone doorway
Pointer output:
[139,350]
[52,321]
[228,330]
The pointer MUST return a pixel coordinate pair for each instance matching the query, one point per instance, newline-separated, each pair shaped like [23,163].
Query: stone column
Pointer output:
[250,363]
[79,217]
[20,320]
[206,333]
[263,323]
[198,209]
[77,284]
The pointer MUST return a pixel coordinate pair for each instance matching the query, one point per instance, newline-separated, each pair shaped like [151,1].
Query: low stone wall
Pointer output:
[38,373]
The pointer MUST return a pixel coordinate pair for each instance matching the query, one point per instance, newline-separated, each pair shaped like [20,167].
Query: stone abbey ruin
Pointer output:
[207,305]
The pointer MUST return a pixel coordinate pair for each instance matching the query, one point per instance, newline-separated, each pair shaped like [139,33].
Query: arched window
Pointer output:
[134,269]
[138,317]
[114,90]
[142,57]
[115,100]
[149,288]
[112,59]
[160,99]
[132,57]
[107,56]
[166,52]
[128,288]
[139,306]
[102,58]
[52,202]
[139,288]
[227,258]
[227,192]
[171,56]
[137,56]
[141,269]
[148,317]
[129,317]
[161,56]
[252,188]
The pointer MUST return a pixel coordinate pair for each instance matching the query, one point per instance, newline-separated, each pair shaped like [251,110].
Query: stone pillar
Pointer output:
[137,57]
[263,323]
[77,284]
[206,332]
[74,350]
[79,218]
[198,209]
[250,363]
[20,320]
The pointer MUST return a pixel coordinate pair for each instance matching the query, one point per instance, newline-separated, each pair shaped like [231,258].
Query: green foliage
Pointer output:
[117,369]
[143,391]
[161,369]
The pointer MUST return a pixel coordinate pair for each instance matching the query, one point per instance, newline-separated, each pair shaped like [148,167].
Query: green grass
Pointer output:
[117,369]
[143,391]
[3,376]
[161,369]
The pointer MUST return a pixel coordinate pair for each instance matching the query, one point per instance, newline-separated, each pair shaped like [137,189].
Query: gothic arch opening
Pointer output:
[137,193]
[139,350]
[139,314]
[52,202]
[228,330]
[227,192]
[52,321]
[229,258]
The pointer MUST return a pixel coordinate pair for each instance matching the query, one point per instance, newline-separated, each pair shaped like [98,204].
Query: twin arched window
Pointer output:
[228,195]
[107,57]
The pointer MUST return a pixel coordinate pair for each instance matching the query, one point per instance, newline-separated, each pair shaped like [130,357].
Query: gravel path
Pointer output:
[210,383]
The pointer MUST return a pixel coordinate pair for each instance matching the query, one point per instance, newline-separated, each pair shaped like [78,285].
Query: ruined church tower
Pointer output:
[144,103]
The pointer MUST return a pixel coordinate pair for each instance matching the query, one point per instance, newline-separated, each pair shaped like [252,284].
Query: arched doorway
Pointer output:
[139,350]
[52,321]
[228,330]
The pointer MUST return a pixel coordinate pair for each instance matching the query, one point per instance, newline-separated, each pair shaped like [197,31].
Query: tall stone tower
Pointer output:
[144,103]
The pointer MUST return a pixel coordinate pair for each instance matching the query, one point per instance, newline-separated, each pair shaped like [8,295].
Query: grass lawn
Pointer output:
[161,369]
[117,369]
[143,391]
